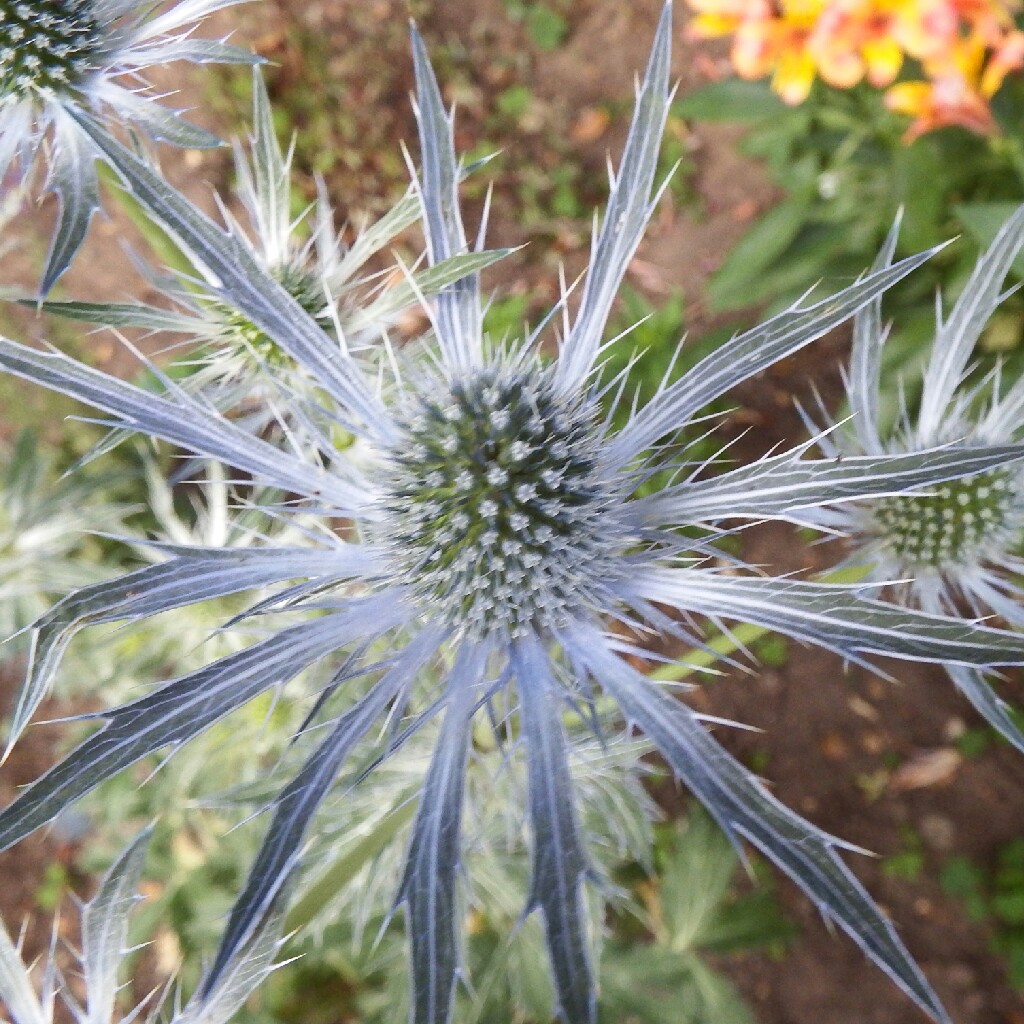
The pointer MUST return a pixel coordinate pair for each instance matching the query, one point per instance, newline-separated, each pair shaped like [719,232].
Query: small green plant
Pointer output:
[995,896]
[692,909]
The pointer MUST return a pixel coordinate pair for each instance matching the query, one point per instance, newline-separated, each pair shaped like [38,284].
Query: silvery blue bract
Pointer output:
[481,553]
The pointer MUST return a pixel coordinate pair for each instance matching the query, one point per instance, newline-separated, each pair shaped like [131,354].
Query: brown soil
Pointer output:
[828,733]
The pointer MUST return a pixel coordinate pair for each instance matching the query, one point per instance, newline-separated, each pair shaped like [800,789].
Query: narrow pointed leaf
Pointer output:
[748,354]
[559,860]
[866,357]
[996,711]
[298,802]
[959,334]
[105,929]
[191,577]
[833,616]
[180,710]
[182,421]
[428,887]
[783,485]
[745,809]
[243,973]
[459,319]
[126,314]
[629,209]
[426,282]
[235,272]
[16,992]
[73,179]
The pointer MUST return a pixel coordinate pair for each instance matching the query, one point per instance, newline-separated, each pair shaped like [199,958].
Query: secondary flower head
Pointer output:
[234,363]
[60,55]
[488,556]
[955,546]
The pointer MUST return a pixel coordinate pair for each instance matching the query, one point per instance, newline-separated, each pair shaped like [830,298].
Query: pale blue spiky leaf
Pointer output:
[193,50]
[105,921]
[298,802]
[16,991]
[164,124]
[748,354]
[459,317]
[839,618]
[177,711]
[958,335]
[866,355]
[996,711]
[244,972]
[125,314]
[745,809]
[559,863]
[182,420]
[431,281]
[628,211]
[784,485]
[428,887]
[73,179]
[236,274]
[192,576]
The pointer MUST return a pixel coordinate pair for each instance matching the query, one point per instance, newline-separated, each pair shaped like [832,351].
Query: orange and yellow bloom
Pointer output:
[963,48]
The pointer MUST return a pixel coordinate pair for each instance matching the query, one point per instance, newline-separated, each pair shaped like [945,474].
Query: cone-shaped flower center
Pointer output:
[497,514]
[45,45]
[953,525]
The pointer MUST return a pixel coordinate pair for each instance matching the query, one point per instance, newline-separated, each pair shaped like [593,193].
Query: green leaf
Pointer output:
[731,100]
[546,26]
[755,253]
[982,221]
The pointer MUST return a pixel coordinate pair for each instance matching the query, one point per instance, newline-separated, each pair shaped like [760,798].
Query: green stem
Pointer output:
[345,867]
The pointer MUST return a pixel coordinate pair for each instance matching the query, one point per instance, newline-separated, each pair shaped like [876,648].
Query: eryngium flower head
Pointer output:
[62,55]
[954,547]
[523,603]
[104,948]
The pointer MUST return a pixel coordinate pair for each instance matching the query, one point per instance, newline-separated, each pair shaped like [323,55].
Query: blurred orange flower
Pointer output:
[965,49]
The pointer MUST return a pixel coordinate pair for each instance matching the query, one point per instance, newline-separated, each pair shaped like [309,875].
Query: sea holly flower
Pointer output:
[496,546]
[953,547]
[104,947]
[58,56]
[237,366]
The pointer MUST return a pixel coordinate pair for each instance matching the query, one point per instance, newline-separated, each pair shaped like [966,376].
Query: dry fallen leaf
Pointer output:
[590,124]
[928,768]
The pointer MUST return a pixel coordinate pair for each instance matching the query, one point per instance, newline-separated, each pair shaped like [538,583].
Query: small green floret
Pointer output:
[239,332]
[951,526]
[497,496]
[46,46]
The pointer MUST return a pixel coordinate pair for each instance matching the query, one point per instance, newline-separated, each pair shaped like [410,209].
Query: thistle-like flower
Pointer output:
[58,56]
[492,543]
[953,548]
[105,921]
[236,365]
